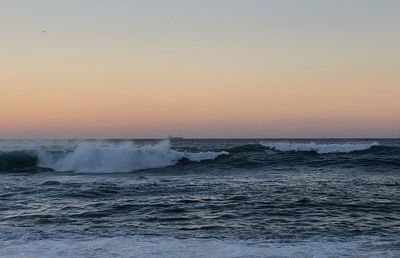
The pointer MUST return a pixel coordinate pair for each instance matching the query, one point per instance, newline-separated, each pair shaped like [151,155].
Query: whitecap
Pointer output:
[321,148]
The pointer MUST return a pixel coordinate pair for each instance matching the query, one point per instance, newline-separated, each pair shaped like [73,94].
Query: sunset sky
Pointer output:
[205,68]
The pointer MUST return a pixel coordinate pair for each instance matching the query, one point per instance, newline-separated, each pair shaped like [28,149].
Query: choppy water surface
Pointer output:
[200,198]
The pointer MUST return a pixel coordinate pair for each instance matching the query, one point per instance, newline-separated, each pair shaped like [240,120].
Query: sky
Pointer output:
[204,68]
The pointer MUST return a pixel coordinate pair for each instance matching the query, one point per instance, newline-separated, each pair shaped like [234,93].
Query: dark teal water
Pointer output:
[200,198]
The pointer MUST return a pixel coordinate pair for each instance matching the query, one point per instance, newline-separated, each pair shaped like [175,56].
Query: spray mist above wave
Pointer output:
[119,157]
[95,156]
[319,147]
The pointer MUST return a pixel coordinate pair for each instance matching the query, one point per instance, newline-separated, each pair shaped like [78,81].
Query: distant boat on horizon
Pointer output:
[170,137]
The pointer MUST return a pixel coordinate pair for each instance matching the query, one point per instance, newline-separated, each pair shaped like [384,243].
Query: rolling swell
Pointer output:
[109,157]
[17,160]
[275,154]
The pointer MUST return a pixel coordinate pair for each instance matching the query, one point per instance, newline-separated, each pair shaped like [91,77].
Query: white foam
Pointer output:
[319,147]
[104,156]
[141,246]
[120,157]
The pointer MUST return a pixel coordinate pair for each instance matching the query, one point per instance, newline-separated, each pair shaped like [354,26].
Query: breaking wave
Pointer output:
[108,156]
[319,147]
[101,157]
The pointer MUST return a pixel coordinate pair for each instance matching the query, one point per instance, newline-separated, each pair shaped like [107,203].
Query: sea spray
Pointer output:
[95,156]
[123,157]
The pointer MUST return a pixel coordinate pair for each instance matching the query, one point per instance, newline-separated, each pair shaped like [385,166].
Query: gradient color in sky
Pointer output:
[205,68]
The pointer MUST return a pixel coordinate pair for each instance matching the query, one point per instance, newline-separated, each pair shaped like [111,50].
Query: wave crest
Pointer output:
[122,157]
[319,147]
[100,157]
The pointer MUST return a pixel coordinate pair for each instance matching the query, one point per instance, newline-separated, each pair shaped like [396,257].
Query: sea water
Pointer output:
[200,198]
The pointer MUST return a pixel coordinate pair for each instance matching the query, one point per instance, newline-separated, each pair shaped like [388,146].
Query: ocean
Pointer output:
[200,198]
